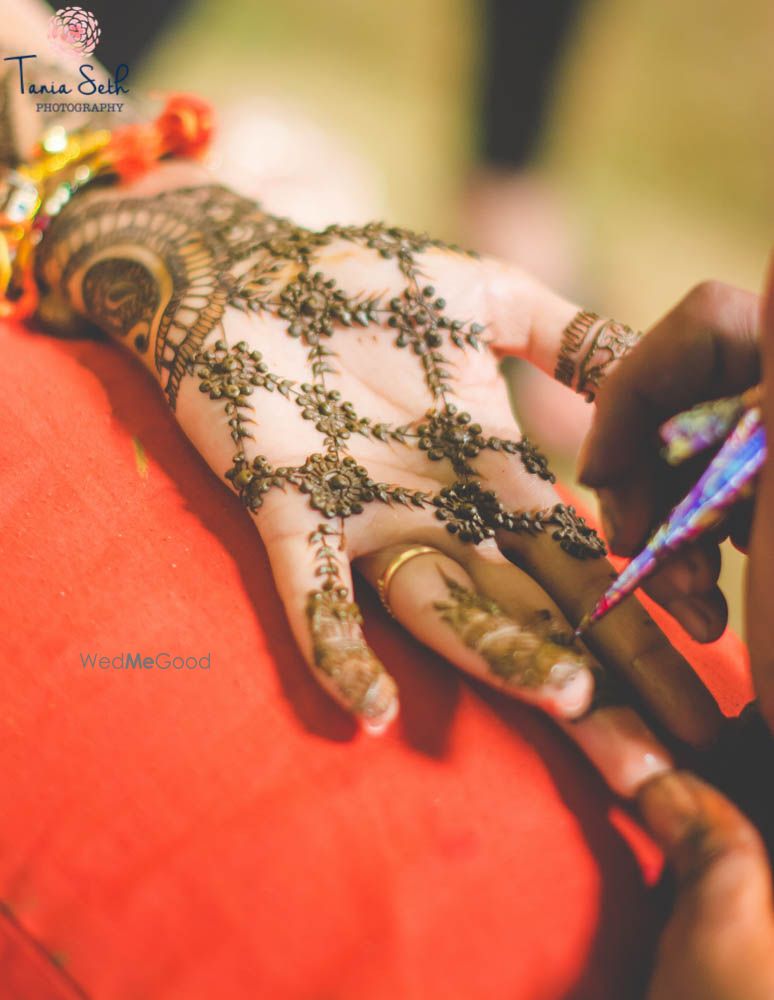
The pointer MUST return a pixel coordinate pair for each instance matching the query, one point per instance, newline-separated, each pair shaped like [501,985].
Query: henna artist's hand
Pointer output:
[707,347]
[342,384]
[703,349]
[719,941]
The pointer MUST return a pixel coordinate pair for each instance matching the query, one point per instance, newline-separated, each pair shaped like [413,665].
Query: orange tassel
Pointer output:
[184,128]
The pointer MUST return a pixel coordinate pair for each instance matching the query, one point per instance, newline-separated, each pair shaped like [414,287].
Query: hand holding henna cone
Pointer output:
[727,479]
[522,645]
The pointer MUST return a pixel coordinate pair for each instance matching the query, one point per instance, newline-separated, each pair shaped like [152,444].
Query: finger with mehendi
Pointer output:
[314,581]
[530,654]
[627,641]
[620,745]
[590,347]
[577,346]
[631,644]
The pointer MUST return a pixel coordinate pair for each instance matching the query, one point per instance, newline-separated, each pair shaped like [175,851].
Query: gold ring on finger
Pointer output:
[384,581]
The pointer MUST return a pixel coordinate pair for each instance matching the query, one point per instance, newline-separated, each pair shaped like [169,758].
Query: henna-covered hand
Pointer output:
[345,385]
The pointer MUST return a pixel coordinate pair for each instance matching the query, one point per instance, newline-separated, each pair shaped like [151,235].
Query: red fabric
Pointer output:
[230,832]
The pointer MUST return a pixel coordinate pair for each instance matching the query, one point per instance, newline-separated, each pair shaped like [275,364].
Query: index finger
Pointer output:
[628,640]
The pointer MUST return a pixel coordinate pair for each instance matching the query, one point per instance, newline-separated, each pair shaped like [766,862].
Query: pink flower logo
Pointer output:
[73,29]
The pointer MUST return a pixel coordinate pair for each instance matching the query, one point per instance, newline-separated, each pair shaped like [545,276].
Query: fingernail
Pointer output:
[670,806]
[562,672]
[568,690]
[378,724]
[623,749]
[380,706]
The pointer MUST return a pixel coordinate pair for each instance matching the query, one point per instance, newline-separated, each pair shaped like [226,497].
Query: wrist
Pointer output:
[156,264]
[36,192]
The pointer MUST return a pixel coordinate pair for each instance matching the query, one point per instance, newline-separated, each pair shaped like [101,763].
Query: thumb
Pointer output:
[760,574]
[529,320]
[719,942]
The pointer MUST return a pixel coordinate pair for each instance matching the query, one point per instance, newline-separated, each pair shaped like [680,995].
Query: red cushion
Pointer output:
[229,832]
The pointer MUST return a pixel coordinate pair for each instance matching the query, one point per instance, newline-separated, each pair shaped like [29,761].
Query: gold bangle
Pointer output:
[384,581]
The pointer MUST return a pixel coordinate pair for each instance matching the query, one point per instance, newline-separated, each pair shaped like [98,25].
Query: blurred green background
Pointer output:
[658,146]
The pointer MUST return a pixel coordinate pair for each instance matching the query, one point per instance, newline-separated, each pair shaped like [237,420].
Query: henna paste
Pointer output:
[529,655]
[159,273]
[474,514]
[608,342]
[338,648]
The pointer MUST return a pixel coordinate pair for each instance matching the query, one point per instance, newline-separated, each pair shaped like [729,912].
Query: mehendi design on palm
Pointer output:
[160,272]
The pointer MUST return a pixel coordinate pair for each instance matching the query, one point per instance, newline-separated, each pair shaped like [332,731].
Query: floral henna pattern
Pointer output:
[608,342]
[160,272]
[449,434]
[474,514]
[339,487]
[339,650]
[530,655]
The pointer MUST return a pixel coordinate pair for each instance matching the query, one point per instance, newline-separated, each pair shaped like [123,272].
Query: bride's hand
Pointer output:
[345,384]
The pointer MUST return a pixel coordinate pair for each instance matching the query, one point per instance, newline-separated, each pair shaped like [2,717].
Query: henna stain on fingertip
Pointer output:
[339,649]
[342,655]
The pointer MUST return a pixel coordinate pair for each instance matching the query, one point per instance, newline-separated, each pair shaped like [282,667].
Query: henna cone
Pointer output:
[727,479]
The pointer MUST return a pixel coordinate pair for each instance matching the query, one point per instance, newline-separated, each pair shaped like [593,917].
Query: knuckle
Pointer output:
[718,864]
[705,297]
[718,305]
